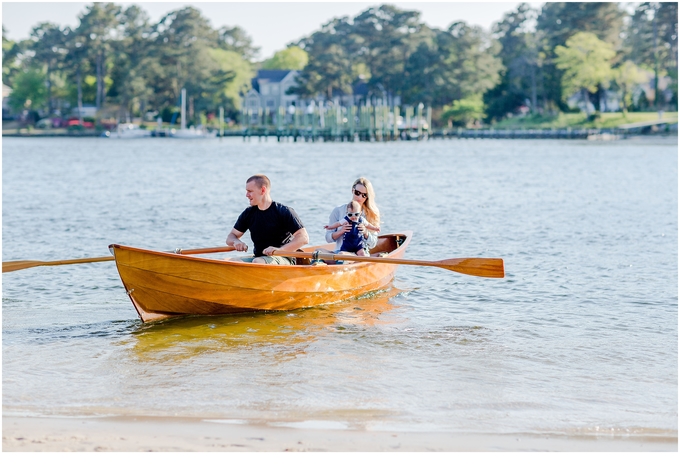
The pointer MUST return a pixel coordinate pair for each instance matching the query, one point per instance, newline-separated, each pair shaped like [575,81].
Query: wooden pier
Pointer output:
[339,123]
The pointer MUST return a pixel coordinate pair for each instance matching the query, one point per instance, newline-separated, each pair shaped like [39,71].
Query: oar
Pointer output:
[482,267]
[9,266]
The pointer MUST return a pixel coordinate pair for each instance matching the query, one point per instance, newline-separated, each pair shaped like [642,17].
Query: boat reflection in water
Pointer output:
[185,338]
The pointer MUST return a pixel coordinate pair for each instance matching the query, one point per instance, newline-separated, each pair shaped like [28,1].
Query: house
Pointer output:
[268,91]
[6,111]
[610,101]
[647,89]
[87,110]
[362,96]
[267,96]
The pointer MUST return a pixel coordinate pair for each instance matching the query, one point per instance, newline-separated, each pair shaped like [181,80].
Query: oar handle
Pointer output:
[77,261]
[336,257]
[199,251]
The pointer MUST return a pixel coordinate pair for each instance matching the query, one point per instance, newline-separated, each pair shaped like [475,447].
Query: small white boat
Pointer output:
[127,131]
[192,133]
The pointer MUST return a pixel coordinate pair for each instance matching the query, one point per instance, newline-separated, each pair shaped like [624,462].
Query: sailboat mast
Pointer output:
[183,121]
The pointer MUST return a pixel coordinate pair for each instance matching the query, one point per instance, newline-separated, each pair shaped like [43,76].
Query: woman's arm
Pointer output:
[371,239]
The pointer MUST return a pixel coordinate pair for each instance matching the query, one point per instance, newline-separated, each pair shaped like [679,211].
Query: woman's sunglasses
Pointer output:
[359,193]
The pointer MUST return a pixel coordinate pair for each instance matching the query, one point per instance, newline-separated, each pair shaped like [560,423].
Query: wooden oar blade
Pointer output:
[9,266]
[482,267]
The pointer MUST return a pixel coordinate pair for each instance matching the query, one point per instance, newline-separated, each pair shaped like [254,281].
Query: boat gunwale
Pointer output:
[235,263]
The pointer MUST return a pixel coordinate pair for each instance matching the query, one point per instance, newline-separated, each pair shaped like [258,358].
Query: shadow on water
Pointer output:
[188,337]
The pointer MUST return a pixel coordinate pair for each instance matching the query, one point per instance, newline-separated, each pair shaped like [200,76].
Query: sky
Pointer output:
[271,25]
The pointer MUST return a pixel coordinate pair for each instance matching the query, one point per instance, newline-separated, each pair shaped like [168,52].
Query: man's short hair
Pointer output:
[260,180]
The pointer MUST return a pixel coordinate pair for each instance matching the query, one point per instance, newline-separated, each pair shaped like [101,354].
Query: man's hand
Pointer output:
[269,250]
[240,246]
[234,239]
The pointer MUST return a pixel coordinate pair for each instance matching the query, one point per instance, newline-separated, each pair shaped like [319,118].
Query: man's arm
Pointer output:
[233,239]
[300,239]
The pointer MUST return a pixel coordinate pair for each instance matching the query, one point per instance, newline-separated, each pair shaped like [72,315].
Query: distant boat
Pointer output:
[127,131]
[191,133]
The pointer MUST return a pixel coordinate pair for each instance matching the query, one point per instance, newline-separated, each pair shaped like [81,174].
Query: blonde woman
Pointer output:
[362,192]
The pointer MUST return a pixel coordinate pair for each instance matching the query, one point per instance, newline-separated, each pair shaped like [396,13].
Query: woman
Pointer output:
[362,192]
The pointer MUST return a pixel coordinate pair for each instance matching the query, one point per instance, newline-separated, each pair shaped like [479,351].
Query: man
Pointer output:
[272,226]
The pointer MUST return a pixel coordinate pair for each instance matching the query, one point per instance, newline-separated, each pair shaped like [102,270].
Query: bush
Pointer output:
[596,116]
[464,112]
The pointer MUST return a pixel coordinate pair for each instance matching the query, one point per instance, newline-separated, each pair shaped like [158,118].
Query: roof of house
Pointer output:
[360,88]
[272,76]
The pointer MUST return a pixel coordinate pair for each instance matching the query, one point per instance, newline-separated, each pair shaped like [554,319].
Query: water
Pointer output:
[581,337]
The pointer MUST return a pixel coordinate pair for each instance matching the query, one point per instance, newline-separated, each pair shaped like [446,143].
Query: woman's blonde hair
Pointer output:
[370,208]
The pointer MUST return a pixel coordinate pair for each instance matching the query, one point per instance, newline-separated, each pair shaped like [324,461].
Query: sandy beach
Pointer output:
[21,434]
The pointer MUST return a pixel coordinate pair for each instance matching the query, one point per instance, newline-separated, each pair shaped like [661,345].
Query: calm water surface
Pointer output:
[581,337]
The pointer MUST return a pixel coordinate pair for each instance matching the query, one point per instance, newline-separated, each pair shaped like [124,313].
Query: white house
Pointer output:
[268,91]
[6,91]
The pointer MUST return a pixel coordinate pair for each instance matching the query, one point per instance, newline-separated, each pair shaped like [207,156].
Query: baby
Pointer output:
[353,241]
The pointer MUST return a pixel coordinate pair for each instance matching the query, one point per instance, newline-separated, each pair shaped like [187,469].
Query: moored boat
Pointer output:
[127,131]
[164,285]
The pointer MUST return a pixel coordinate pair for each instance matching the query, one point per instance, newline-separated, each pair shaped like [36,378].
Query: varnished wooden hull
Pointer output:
[162,285]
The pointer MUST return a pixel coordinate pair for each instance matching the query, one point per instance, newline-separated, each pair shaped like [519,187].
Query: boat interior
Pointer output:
[386,244]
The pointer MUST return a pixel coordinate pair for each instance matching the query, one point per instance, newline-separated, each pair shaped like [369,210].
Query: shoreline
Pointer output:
[144,434]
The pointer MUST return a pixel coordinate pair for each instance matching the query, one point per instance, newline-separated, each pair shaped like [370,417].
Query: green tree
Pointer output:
[386,37]
[470,63]
[331,52]
[464,112]
[97,28]
[236,73]
[132,62]
[49,49]
[451,65]
[291,58]
[558,21]
[237,40]
[586,62]
[76,64]
[182,41]
[29,90]
[422,75]
[627,76]
[520,78]
[658,52]
[11,64]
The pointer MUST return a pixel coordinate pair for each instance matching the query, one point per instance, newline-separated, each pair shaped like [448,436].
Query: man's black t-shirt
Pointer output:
[272,227]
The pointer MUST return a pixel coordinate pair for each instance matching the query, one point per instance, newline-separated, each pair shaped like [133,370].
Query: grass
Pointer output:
[579,120]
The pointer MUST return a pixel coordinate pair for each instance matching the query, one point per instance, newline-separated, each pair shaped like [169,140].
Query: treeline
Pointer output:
[117,59]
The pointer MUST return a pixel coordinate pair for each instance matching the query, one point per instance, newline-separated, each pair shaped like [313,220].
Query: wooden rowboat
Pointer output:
[164,285]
